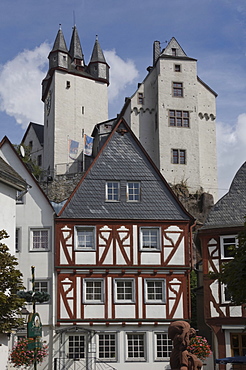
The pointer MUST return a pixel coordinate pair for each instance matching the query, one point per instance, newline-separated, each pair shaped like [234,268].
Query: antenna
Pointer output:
[22,151]
[74,17]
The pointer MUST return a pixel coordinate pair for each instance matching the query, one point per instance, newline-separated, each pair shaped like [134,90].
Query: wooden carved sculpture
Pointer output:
[181,359]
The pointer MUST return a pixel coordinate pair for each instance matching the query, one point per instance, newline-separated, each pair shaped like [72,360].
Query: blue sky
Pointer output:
[212,31]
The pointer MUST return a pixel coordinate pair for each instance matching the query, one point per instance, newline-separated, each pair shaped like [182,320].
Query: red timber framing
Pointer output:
[118,255]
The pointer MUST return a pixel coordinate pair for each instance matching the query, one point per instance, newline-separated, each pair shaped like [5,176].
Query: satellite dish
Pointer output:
[22,151]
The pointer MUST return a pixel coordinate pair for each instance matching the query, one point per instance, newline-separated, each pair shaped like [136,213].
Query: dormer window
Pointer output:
[112,191]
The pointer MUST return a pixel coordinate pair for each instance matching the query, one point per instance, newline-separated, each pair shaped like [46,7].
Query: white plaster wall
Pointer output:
[8,214]
[66,114]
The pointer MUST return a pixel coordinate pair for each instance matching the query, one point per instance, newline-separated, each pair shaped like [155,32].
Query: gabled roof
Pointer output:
[39,131]
[5,141]
[10,177]
[230,210]
[122,158]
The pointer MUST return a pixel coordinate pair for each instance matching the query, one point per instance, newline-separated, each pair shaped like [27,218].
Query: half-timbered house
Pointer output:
[123,258]
[218,234]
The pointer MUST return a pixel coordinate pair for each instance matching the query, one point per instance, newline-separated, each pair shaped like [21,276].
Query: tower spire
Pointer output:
[75,50]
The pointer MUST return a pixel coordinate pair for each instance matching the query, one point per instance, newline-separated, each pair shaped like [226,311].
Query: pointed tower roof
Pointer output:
[75,49]
[122,159]
[97,53]
[60,43]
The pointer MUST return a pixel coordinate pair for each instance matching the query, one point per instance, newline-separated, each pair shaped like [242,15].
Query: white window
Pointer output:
[155,290]
[76,347]
[133,191]
[124,290]
[85,238]
[163,346]
[107,346]
[150,238]
[40,239]
[136,347]
[93,291]
[113,191]
[178,156]
[227,244]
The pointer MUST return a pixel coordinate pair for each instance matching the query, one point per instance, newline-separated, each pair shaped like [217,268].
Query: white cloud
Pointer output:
[122,73]
[231,149]
[20,85]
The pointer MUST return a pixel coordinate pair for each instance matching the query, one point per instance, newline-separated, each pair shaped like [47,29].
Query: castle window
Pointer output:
[178,156]
[133,191]
[124,290]
[107,346]
[85,238]
[17,239]
[155,291]
[177,67]
[39,160]
[163,346]
[174,52]
[113,191]
[68,85]
[150,238]
[83,109]
[227,245]
[179,118]
[140,98]
[93,291]
[178,89]
[136,347]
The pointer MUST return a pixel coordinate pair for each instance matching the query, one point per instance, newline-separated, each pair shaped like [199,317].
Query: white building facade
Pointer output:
[173,115]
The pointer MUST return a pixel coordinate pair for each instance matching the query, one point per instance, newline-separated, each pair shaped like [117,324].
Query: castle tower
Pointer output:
[75,98]
[173,114]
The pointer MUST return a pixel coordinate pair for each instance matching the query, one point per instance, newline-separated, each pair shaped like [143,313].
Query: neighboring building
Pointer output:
[11,185]
[123,258]
[76,98]
[34,139]
[173,114]
[32,236]
[225,221]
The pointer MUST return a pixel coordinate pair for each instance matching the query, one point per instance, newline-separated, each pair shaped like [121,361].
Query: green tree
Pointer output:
[10,284]
[233,273]
[27,159]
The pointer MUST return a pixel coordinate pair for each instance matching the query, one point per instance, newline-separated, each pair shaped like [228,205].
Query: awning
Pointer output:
[231,360]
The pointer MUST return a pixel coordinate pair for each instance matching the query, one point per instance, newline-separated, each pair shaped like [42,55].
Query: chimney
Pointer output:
[156,51]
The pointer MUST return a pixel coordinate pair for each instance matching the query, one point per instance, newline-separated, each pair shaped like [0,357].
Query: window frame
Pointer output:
[168,345]
[79,228]
[140,98]
[163,292]
[177,89]
[102,295]
[107,191]
[31,231]
[74,335]
[240,347]
[178,156]
[177,68]
[112,358]
[126,301]
[158,239]
[179,118]
[137,358]
[222,245]
[134,192]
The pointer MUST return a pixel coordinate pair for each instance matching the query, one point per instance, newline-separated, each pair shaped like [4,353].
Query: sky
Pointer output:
[211,31]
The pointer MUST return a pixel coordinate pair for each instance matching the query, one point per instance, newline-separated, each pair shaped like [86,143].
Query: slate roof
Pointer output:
[123,159]
[9,176]
[60,43]
[97,53]
[230,210]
